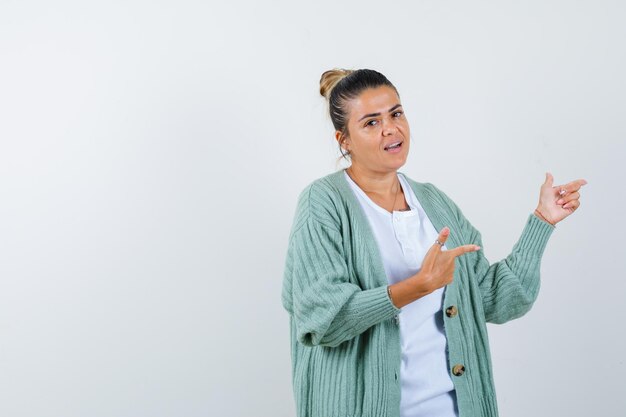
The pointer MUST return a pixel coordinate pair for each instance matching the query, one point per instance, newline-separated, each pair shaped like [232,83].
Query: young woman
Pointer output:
[386,283]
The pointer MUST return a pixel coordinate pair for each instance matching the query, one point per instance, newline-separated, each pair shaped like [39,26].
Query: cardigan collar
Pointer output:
[424,196]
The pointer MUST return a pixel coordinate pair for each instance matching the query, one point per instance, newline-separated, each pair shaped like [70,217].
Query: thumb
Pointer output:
[549,179]
[435,248]
[443,236]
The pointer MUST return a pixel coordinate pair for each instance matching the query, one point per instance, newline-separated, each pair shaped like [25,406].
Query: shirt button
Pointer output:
[452,311]
[396,319]
[458,369]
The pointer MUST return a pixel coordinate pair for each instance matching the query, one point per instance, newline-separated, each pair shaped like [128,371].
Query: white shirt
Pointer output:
[403,238]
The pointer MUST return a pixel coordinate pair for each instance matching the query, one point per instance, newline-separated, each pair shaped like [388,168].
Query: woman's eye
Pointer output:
[369,123]
[399,113]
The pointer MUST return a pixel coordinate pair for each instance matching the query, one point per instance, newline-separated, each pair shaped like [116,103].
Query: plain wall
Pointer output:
[151,154]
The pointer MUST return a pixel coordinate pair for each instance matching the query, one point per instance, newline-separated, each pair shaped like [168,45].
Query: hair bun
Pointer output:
[330,79]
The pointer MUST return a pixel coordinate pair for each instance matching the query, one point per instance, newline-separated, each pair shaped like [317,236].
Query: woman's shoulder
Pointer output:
[320,200]
[322,187]
[321,192]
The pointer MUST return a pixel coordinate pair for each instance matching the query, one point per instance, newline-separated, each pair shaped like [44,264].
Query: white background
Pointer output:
[151,154]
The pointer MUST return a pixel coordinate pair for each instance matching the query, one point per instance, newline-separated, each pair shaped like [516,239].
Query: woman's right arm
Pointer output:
[327,309]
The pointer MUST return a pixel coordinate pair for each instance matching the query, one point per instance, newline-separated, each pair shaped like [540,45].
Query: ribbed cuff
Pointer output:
[380,303]
[368,308]
[535,236]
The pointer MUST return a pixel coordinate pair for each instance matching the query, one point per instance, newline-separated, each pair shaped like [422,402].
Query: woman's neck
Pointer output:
[384,184]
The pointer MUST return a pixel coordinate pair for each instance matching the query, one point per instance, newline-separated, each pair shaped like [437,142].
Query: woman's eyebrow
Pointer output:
[378,114]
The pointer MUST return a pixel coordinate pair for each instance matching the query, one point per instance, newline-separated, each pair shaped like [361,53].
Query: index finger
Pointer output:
[572,186]
[463,249]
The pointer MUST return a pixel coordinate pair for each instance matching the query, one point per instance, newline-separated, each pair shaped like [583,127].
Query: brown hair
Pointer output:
[339,86]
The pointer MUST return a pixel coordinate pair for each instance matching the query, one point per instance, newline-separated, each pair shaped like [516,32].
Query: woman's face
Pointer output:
[376,121]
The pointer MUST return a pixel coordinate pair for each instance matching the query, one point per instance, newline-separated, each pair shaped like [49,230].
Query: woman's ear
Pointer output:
[342,140]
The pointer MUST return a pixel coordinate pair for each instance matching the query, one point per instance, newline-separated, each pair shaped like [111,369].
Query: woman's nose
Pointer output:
[389,127]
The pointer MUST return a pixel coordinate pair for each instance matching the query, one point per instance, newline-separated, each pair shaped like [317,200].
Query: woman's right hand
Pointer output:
[437,271]
[438,265]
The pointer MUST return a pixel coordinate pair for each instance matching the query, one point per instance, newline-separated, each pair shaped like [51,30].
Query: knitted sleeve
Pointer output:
[326,307]
[510,286]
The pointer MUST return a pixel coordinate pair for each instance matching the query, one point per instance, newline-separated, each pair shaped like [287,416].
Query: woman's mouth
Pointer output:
[394,147]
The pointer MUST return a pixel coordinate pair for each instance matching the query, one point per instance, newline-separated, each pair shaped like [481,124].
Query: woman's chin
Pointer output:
[400,160]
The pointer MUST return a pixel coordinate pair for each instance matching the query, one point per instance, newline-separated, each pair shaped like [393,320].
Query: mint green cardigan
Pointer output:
[345,341]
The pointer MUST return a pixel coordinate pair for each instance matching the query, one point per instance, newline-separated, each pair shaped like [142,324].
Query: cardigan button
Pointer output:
[458,369]
[396,320]
[452,311]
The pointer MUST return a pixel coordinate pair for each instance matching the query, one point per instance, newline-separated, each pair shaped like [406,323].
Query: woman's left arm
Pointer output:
[510,287]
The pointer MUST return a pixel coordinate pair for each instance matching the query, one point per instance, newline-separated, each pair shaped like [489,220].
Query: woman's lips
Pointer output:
[395,150]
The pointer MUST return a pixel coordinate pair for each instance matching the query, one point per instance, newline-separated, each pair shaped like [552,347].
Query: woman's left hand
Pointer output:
[558,202]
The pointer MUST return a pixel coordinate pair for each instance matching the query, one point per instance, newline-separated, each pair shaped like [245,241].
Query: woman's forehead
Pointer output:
[374,100]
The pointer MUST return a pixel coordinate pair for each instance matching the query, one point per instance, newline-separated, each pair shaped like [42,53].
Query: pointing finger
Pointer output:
[575,185]
[571,186]
[460,250]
